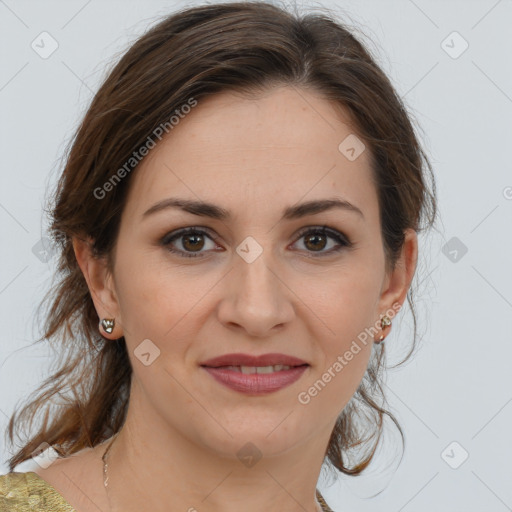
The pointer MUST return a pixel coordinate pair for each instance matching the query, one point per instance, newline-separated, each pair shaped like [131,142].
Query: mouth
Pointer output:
[249,370]
[255,375]
[247,363]
[256,380]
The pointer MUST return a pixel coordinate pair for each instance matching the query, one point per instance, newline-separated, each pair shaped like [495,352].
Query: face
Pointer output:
[255,281]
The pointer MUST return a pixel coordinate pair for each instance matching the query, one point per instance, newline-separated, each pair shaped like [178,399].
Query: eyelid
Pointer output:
[342,240]
[332,232]
[177,233]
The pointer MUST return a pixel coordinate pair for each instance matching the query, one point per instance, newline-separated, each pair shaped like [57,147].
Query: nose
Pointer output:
[256,299]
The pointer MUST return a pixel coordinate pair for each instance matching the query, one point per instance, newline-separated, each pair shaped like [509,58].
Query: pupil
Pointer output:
[194,244]
[315,237]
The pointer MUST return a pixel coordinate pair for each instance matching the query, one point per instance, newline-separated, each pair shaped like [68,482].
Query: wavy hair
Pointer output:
[195,53]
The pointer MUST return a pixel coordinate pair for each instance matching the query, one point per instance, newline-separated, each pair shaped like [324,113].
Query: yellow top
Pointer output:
[28,492]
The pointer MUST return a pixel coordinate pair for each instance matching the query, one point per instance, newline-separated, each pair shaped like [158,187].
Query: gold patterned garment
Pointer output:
[28,492]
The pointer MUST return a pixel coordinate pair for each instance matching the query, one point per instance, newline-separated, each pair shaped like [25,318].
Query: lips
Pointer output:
[254,361]
[255,383]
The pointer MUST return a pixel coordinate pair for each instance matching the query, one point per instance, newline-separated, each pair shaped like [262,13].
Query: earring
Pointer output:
[384,322]
[107,324]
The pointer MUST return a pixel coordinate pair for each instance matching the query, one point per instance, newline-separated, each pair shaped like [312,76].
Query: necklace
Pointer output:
[105,469]
[105,475]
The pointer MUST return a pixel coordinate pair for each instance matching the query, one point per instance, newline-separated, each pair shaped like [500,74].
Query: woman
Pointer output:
[238,220]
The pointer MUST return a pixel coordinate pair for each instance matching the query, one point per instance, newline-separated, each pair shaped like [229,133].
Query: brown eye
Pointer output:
[315,242]
[192,241]
[317,239]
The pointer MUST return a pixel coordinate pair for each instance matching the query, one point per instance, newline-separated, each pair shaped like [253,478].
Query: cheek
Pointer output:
[344,298]
[345,356]
[333,385]
[160,301]
[346,305]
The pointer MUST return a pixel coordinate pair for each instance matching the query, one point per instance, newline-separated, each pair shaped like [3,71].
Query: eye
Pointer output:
[316,240]
[191,239]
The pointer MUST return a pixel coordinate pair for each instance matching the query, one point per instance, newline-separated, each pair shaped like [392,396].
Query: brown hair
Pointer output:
[195,53]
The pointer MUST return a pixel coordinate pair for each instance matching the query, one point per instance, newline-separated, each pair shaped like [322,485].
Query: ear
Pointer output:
[101,285]
[397,282]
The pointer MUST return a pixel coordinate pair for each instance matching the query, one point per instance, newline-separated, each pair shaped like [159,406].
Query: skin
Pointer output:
[178,446]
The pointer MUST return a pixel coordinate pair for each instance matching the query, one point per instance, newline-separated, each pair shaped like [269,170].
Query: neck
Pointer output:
[149,468]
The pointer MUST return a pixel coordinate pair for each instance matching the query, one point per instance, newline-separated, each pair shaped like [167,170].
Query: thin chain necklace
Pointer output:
[105,470]
[105,475]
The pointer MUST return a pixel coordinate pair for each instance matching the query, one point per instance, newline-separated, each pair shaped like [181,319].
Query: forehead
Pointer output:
[278,147]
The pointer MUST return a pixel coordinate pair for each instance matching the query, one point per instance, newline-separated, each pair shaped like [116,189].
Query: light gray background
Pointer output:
[457,388]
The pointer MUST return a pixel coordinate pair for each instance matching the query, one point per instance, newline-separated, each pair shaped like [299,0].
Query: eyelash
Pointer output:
[342,240]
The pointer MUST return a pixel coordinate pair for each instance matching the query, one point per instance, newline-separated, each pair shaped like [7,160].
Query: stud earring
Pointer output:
[384,322]
[108,325]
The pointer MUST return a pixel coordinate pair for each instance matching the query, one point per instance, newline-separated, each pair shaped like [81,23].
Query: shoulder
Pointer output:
[27,492]
[70,484]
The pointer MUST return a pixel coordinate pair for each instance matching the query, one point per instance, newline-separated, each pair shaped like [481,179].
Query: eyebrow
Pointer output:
[205,209]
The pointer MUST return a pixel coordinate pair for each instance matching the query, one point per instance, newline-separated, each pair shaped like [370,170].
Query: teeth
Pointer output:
[258,369]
